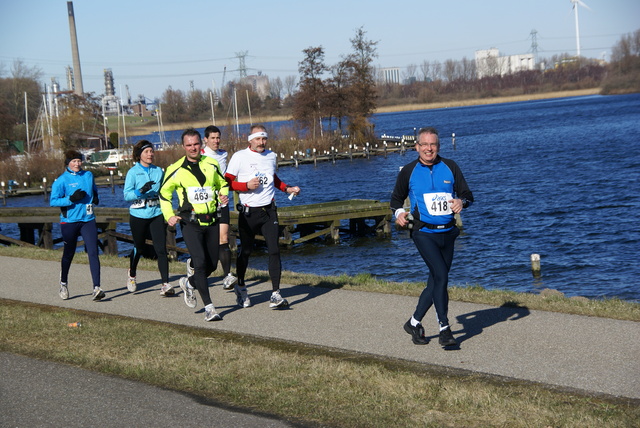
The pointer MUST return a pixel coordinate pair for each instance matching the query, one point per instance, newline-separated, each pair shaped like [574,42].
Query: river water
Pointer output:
[554,177]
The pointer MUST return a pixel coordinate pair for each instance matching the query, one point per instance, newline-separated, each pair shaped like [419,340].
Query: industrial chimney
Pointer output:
[79,90]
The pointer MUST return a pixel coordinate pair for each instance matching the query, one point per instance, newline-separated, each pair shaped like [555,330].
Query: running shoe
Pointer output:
[187,291]
[446,338]
[417,333]
[242,297]
[167,289]
[228,282]
[210,314]
[98,294]
[190,270]
[277,301]
[64,291]
[132,286]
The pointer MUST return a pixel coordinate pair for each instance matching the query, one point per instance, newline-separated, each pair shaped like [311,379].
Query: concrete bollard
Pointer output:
[535,264]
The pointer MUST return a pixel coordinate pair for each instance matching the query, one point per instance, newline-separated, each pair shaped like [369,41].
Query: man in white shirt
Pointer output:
[252,172]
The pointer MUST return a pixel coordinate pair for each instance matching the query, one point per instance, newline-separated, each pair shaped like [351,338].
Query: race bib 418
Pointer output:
[438,203]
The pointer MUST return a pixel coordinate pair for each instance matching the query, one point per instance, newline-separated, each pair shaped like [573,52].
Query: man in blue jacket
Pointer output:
[437,191]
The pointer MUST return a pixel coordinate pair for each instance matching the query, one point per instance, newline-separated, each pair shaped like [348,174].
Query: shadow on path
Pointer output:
[474,323]
[296,294]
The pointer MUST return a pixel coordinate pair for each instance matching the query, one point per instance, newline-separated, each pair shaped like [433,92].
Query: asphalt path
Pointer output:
[37,393]
[589,354]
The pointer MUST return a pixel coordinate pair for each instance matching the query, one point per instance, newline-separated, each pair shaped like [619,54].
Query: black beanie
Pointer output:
[139,148]
[71,155]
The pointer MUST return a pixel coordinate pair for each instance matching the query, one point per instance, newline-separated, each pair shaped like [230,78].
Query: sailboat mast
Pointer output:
[26,121]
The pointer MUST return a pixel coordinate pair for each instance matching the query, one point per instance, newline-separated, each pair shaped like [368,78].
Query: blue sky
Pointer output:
[153,44]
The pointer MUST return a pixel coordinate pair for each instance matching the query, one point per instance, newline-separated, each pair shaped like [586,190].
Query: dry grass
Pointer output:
[495,100]
[151,125]
[317,385]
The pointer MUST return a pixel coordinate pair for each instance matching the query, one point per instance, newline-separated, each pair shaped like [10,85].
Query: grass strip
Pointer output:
[317,385]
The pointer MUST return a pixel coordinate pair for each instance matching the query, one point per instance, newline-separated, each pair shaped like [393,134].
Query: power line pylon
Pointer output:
[242,68]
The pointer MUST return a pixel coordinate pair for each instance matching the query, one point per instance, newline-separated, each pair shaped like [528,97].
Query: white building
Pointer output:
[259,83]
[490,63]
[390,75]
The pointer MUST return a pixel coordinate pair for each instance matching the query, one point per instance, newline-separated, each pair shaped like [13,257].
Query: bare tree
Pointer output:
[337,103]
[468,69]
[22,79]
[308,101]
[362,89]
[198,105]
[628,45]
[436,71]
[290,85]
[78,115]
[425,70]
[25,79]
[451,70]
[410,74]
[174,106]
[275,88]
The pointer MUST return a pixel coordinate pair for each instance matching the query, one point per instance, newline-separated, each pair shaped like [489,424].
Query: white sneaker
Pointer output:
[167,289]
[190,269]
[132,286]
[187,291]
[64,291]
[242,297]
[98,294]
[228,282]
[277,301]
[210,314]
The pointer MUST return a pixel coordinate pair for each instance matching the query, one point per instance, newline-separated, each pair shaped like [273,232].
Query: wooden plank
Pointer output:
[127,238]
[10,241]
[312,235]
[294,219]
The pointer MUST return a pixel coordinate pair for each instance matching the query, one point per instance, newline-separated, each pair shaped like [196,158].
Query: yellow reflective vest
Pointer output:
[198,202]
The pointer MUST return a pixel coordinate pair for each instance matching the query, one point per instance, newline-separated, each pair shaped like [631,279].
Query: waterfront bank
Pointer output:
[152,126]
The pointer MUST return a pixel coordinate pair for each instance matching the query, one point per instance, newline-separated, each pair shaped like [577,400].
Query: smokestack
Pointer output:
[79,90]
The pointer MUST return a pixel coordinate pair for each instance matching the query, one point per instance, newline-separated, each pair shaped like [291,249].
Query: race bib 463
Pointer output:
[199,195]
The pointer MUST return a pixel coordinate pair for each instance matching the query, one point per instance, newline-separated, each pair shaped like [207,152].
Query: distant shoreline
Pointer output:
[484,101]
[149,129]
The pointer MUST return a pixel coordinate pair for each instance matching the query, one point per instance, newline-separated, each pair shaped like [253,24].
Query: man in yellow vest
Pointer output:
[201,190]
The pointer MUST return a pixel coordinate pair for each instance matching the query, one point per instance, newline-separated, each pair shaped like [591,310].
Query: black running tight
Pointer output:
[263,222]
[140,229]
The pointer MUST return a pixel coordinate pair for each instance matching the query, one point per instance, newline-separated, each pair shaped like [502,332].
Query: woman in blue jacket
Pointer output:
[141,188]
[75,192]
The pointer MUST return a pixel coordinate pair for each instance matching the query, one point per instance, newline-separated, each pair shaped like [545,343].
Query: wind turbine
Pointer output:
[575,4]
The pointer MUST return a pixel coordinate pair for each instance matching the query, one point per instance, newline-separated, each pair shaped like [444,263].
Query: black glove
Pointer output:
[77,196]
[147,186]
